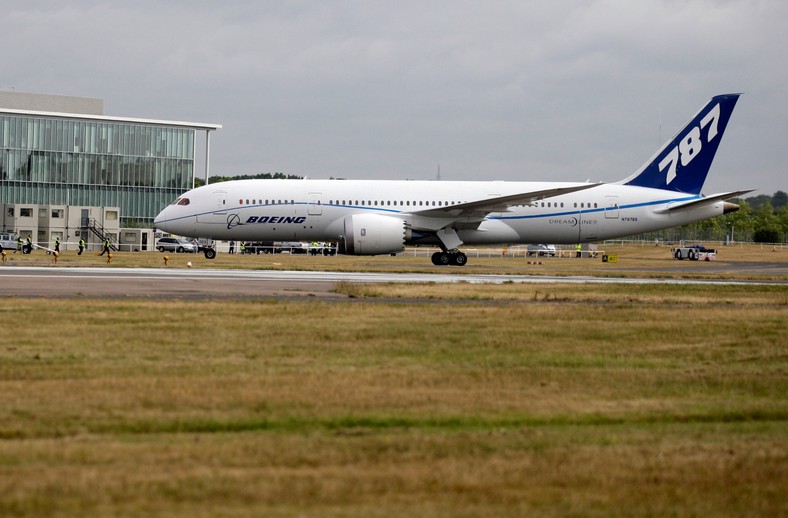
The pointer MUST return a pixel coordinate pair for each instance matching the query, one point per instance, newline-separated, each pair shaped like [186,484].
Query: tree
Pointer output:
[779,200]
[739,225]
[782,217]
[767,225]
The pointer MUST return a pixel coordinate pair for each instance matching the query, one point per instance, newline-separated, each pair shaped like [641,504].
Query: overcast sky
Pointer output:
[495,90]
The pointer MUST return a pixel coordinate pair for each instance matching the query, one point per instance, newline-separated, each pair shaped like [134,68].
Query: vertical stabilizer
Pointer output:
[683,162]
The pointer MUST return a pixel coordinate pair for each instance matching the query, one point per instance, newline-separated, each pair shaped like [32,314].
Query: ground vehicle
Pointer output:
[294,247]
[261,247]
[8,241]
[541,250]
[322,248]
[694,253]
[175,244]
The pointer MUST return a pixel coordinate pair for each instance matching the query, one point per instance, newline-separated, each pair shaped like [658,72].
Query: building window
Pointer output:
[111,215]
[57,213]
[10,212]
[26,212]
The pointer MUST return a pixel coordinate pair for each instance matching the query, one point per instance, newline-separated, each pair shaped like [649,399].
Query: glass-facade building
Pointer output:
[67,159]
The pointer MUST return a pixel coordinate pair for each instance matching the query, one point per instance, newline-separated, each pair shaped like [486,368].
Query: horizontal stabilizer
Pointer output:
[706,200]
[500,203]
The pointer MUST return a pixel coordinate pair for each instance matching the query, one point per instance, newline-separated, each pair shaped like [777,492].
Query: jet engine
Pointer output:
[373,234]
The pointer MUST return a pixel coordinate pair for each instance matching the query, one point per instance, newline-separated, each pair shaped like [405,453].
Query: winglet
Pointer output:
[684,161]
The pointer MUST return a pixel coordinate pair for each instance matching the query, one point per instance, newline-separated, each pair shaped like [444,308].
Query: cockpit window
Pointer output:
[181,201]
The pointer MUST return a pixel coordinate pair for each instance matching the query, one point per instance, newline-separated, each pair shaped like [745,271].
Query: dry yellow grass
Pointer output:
[637,404]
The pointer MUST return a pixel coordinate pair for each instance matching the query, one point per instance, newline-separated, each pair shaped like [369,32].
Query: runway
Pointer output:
[199,283]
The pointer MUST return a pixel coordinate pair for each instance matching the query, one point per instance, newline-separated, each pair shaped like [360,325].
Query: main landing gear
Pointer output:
[453,257]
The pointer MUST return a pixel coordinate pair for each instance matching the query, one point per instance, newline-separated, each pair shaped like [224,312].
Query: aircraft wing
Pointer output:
[706,200]
[481,208]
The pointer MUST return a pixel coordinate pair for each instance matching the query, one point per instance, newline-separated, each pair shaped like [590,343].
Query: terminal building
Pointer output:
[67,171]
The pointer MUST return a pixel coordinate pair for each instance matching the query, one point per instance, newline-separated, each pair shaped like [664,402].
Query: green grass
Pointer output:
[599,401]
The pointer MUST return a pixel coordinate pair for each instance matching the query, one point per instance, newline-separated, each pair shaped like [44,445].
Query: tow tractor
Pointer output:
[694,253]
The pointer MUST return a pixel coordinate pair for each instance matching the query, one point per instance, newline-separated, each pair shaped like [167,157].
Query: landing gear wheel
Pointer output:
[447,258]
[210,253]
[459,259]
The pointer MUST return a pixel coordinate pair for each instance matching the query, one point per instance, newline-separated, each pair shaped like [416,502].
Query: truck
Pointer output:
[694,253]
[8,242]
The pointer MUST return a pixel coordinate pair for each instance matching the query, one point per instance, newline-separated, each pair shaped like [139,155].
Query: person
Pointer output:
[57,245]
[242,247]
[81,245]
[105,249]
[579,250]
[19,243]
[232,247]
[29,244]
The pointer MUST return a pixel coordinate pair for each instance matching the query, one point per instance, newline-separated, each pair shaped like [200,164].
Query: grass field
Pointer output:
[457,400]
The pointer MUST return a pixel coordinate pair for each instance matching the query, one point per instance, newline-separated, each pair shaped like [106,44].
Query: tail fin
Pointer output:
[683,162]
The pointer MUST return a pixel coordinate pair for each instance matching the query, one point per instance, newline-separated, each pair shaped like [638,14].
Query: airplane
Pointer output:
[376,217]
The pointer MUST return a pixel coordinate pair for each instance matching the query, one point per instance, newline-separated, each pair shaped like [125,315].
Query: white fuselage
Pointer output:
[314,210]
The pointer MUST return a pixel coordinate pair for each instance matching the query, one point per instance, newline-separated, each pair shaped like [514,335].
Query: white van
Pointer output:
[8,241]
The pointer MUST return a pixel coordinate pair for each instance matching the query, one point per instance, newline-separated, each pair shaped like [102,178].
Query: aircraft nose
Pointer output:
[160,221]
[170,221]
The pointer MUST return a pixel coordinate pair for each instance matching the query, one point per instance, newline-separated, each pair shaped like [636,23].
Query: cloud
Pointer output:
[502,90]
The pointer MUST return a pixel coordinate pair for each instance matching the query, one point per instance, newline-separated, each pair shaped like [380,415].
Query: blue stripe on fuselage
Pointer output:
[598,209]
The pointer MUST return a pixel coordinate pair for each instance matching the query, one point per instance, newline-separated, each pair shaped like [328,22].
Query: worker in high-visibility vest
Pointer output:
[579,250]
[81,246]
[105,249]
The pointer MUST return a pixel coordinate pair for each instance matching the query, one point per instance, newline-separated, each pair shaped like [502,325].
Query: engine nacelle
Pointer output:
[373,234]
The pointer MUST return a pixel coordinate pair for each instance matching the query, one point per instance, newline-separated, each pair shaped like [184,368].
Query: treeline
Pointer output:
[760,219]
